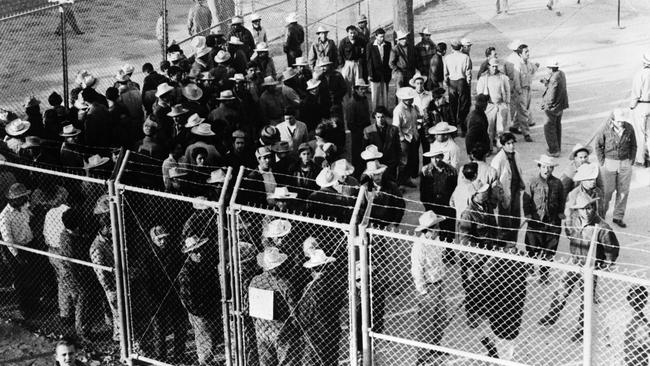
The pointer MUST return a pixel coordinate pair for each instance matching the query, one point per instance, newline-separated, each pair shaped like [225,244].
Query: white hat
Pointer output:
[226,95]
[417,75]
[583,201]
[193,243]
[547,160]
[235,40]
[194,120]
[579,147]
[176,172]
[322,61]
[291,18]
[309,246]
[621,114]
[321,29]
[237,20]
[427,220]
[200,52]
[360,83]
[342,168]
[586,172]
[301,61]
[371,153]
[465,42]
[199,205]
[281,193]
[405,92]
[313,84]
[401,34]
[192,91]
[271,258]
[221,57]
[552,63]
[514,44]
[262,47]
[238,77]
[374,167]
[198,42]
[203,129]
[255,16]
[216,176]
[163,89]
[17,127]
[95,161]
[69,131]
[326,178]
[426,31]
[318,258]
[276,228]
[442,128]
[289,73]
[174,56]
[269,81]
[433,153]
[128,69]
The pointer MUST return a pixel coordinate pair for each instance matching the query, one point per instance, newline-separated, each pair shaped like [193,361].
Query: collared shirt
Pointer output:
[351,50]
[452,151]
[169,163]
[422,100]
[14,226]
[458,66]
[426,263]
[259,35]
[380,47]
[53,226]
[524,71]
[405,119]
[496,86]
[641,86]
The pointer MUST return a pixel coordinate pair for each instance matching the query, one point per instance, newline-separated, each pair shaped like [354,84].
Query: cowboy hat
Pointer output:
[362,19]
[442,128]
[263,151]
[291,18]
[371,153]
[234,40]
[206,76]
[128,68]
[200,52]
[175,57]
[226,95]
[427,220]
[582,201]
[269,81]
[163,89]
[401,34]
[192,91]
[17,127]
[176,172]
[262,47]
[238,134]
[255,17]
[271,258]
[95,161]
[177,110]
[417,76]
[199,205]
[374,167]
[281,193]
[405,92]
[586,172]
[192,243]
[465,42]
[547,160]
[301,61]
[552,63]
[89,81]
[360,83]
[221,57]
[321,29]
[237,78]
[433,153]
[342,168]
[577,148]
[426,31]
[313,84]
[318,258]
[323,61]
[289,73]
[17,190]
[514,44]
[276,228]
[621,114]
[326,178]
[203,129]
[198,42]
[69,131]
[281,147]
[237,20]
[194,120]
[31,141]
[216,176]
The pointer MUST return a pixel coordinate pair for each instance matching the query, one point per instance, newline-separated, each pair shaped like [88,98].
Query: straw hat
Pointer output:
[158,232]
[127,69]
[234,40]
[271,258]
[198,42]
[269,81]
[226,95]
[199,205]
[313,84]
[552,63]
[174,57]
[289,73]
[326,178]
[405,92]
[442,128]
[586,172]
[362,19]
[31,141]
[282,193]
[237,20]
[163,89]
[427,220]
[177,110]
[255,17]
[582,201]
[371,153]
[221,57]
[17,190]
[238,77]
[547,160]
[515,44]
[465,42]
[192,92]
[17,127]
[322,61]
[200,52]
[400,34]
[579,147]
[360,83]
[276,229]
[203,129]
[262,47]
[301,61]
[374,167]
[426,31]
[193,243]
[417,75]
[216,176]
[433,153]
[263,151]
[95,161]
[291,18]
[321,29]
[318,258]
[121,76]
[342,168]
[193,121]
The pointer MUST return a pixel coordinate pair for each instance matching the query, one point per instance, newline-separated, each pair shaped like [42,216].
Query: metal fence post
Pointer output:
[365,296]
[369,17]
[352,274]
[64,57]
[307,28]
[234,258]
[336,20]
[165,30]
[223,242]
[588,298]
[119,279]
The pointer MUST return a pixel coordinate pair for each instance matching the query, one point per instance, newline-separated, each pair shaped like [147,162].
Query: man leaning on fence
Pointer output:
[199,18]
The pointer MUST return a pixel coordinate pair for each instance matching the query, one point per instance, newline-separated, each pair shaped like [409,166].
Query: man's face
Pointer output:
[376,178]
[305,156]
[257,24]
[251,71]
[239,145]
[148,129]
[362,25]
[196,257]
[419,85]
[493,69]
[200,160]
[351,34]
[380,119]
[360,91]
[588,184]
[290,119]
[322,36]
[525,54]
[442,137]
[281,204]
[438,159]
[582,157]
[264,162]
[467,49]
[325,68]
[66,355]
[402,42]
[588,212]
[545,171]
[407,102]
[509,146]
[380,38]
[425,37]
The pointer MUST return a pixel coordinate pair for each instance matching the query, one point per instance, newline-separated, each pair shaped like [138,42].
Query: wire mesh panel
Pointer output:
[478,304]
[174,282]
[292,287]
[68,286]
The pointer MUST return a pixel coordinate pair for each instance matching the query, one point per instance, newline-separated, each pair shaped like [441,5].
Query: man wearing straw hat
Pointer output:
[640,106]
[199,18]
[279,339]
[585,178]
[264,61]
[555,101]
[543,204]
[580,228]
[405,117]
[294,38]
[388,206]
[237,29]
[424,51]
[428,272]
[578,157]
[259,33]
[271,101]
[323,47]
[402,60]
[357,117]
[438,181]
[379,71]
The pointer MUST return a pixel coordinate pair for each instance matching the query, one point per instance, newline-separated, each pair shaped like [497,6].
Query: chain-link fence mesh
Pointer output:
[300,267]
[71,292]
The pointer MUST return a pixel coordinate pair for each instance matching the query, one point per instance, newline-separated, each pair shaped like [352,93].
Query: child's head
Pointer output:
[637,297]
[66,352]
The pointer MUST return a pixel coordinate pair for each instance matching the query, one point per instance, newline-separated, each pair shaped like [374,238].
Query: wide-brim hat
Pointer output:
[269,81]
[163,89]
[300,61]
[282,193]
[262,47]
[226,95]
[318,258]
[321,29]
[17,190]
[323,61]
[206,75]
[69,131]
[362,19]
[177,110]
[313,84]
[263,151]
[235,41]
[433,153]
[95,161]
[326,178]
[81,104]
[583,201]
[342,167]
[237,20]
[289,73]
[102,206]
[426,31]
[465,42]
[193,243]
[194,120]
[360,83]
[175,57]
[203,51]
[255,17]
[400,34]
[281,147]
[176,172]
[371,153]
[31,141]
[192,92]
[417,76]
[579,147]
[586,172]
[121,76]
[203,129]
[271,258]
[17,127]
[405,92]
[199,205]
[442,128]
[547,160]
[238,77]
[198,42]
[374,167]
[276,228]
[514,44]
[216,176]
[552,63]
[291,18]
[427,220]
[221,57]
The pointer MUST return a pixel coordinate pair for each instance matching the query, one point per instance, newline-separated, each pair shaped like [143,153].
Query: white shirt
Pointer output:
[422,101]
[14,226]
[426,263]
[53,226]
[452,151]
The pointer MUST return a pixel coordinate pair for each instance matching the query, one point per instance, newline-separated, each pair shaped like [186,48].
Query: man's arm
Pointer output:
[600,145]
[190,20]
[633,146]
[392,61]
[417,269]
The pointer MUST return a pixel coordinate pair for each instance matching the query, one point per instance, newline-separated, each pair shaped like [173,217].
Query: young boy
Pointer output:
[66,353]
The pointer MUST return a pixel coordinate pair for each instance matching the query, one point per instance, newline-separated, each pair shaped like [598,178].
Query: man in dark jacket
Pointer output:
[294,39]
[555,101]
[332,82]
[242,33]
[386,137]
[352,56]
[477,125]
[388,205]
[357,118]
[402,60]
[438,181]
[436,66]
[424,51]
[379,71]
[96,121]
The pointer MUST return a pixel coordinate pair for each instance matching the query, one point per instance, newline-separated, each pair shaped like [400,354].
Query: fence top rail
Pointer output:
[27,12]
[638,279]
[474,250]
[172,196]
[51,255]
[293,216]
[53,172]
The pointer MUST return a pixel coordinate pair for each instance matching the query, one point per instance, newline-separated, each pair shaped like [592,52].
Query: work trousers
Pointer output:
[553,131]
[409,161]
[617,175]
[378,94]
[460,99]
[523,117]
[351,71]
[498,116]
[432,318]
[641,124]
[208,335]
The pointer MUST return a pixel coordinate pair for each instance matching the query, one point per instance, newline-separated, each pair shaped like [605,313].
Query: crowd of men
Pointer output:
[226,105]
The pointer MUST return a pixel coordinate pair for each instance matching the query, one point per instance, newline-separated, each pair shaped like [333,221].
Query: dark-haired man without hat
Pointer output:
[379,72]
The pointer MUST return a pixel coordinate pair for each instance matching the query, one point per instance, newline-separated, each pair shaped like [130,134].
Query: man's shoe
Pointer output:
[527,138]
[515,130]
[555,154]
[619,222]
